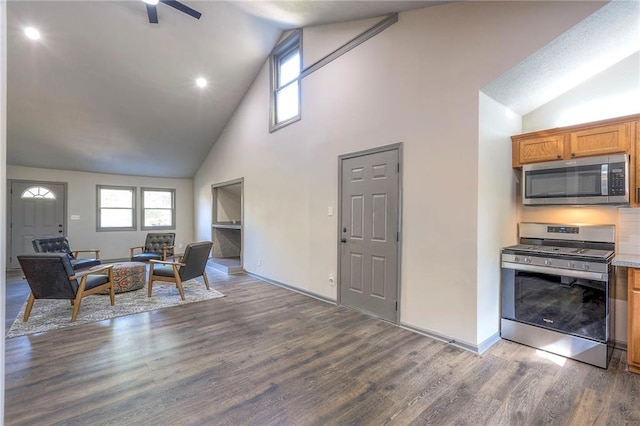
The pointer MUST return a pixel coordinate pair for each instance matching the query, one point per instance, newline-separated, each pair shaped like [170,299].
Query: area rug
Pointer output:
[49,315]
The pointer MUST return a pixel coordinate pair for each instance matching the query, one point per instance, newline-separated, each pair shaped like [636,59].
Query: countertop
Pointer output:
[628,260]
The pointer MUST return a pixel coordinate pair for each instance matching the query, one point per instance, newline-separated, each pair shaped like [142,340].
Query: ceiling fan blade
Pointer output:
[152,11]
[182,8]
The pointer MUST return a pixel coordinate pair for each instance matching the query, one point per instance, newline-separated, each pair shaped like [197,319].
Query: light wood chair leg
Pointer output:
[179,285]
[206,280]
[76,307]
[78,299]
[150,283]
[27,310]
[112,289]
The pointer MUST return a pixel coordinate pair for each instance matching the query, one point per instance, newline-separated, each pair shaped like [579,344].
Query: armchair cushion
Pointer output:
[61,245]
[157,246]
[52,245]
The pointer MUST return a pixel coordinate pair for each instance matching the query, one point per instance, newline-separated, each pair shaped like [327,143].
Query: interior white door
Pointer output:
[369,233]
[37,210]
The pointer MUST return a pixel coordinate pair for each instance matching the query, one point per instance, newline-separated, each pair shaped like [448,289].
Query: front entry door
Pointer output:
[37,210]
[369,233]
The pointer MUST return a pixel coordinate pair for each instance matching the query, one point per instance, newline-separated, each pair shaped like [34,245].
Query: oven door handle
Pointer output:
[596,276]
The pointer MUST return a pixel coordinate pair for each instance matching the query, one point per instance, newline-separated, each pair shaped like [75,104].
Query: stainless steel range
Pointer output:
[557,290]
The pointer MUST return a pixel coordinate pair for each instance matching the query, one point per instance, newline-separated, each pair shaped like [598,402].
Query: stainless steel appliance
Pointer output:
[589,180]
[557,290]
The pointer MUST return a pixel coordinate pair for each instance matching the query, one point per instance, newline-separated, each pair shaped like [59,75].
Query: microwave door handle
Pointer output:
[604,180]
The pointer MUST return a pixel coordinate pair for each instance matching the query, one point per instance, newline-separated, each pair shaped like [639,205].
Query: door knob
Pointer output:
[343,240]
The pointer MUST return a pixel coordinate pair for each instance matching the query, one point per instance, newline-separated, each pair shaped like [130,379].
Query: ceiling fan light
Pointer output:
[151,2]
[201,82]
[32,33]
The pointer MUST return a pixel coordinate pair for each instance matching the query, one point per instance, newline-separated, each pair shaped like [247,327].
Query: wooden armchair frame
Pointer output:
[48,277]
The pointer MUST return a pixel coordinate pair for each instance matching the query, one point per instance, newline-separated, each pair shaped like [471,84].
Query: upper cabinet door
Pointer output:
[600,140]
[534,150]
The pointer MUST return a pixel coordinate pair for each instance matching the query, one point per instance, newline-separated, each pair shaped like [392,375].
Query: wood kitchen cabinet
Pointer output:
[600,140]
[633,317]
[612,136]
[537,149]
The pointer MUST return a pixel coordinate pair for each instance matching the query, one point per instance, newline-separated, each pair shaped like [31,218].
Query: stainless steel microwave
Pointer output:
[590,180]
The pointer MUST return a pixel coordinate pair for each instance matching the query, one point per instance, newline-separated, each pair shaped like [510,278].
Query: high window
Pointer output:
[158,208]
[285,82]
[116,208]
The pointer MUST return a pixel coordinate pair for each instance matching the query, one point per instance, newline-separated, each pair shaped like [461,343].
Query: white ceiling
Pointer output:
[603,39]
[105,91]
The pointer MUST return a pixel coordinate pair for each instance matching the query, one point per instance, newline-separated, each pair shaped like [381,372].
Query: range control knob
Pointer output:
[527,260]
[585,266]
[516,259]
[571,265]
[547,262]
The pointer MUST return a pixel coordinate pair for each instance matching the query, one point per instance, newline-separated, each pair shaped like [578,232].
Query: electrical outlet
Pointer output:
[332,281]
[180,245]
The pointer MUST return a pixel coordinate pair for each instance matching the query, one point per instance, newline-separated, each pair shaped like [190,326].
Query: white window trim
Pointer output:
[133,226]
[173,209]
[294,40]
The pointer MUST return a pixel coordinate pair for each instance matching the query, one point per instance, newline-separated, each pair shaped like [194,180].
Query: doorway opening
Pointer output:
[226,226]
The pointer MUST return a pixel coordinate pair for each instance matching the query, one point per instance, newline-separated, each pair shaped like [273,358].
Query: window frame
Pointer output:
[143,226]
[99,208]
[292,42]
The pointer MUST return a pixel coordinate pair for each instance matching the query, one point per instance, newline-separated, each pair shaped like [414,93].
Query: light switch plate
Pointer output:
[75,217]
[330,211]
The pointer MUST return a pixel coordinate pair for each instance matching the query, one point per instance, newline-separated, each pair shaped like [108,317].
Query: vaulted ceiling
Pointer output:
[104,90]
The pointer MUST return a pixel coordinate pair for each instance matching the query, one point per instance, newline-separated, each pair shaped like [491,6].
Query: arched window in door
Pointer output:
[38,192]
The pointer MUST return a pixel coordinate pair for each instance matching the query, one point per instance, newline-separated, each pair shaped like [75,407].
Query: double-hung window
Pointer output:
[285,82]
[158,208]
[116,208]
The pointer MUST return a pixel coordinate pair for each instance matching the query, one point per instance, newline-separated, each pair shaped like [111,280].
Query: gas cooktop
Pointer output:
[576,252]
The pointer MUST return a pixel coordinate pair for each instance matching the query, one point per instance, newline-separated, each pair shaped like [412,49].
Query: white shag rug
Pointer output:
[51,314]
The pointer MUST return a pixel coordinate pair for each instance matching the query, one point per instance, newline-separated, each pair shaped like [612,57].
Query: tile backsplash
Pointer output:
[628,231]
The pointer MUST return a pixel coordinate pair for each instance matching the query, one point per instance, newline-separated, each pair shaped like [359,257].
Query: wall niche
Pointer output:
[226,226]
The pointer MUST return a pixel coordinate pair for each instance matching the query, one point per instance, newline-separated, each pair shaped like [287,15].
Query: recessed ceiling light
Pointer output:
[152,2]
[201,82]
[32,33]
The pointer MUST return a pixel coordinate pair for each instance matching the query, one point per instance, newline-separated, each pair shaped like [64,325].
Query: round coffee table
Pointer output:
[128,276]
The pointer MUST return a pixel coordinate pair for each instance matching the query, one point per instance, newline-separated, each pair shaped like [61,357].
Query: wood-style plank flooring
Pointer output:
[264,355]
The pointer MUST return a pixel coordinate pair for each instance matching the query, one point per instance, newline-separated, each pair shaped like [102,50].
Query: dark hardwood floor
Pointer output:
[264,355]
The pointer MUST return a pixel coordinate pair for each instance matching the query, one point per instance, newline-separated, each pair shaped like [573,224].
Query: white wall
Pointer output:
[81,200]
[3,182]
[497,213]
[418,83]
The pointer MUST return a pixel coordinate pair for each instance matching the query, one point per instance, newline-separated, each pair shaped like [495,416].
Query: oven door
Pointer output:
[570,302]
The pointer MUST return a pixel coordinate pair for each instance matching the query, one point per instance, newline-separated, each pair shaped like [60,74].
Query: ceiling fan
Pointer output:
[152,10]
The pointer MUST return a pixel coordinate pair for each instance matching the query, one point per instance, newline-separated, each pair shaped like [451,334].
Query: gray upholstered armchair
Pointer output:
[157,246]
[191,265]
[51,276]
[61,245]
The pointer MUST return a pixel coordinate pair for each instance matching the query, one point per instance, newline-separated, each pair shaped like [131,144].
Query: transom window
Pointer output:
[116,208]
[158,208]
[38,192]
[285,82]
